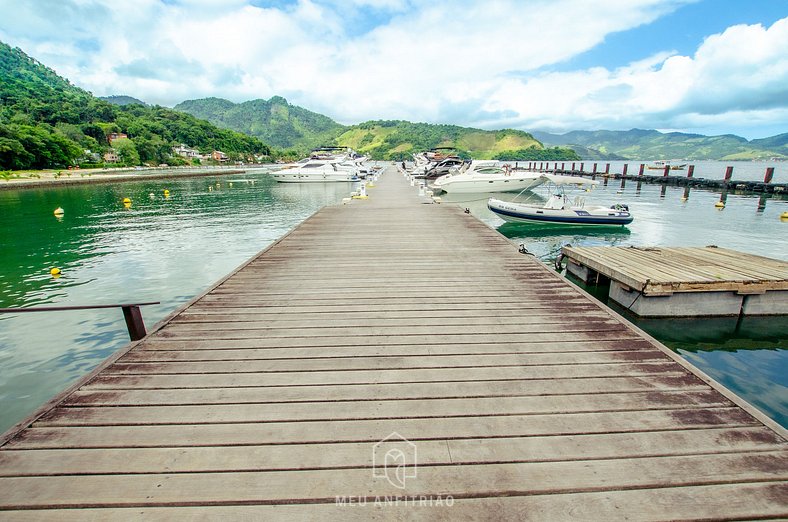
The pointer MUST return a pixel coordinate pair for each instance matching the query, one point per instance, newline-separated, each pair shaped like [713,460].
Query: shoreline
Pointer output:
[113,177]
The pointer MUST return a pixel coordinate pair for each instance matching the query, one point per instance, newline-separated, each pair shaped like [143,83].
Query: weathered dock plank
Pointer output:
[266,397]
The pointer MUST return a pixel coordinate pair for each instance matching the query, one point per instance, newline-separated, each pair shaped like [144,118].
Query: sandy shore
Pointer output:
[50,178]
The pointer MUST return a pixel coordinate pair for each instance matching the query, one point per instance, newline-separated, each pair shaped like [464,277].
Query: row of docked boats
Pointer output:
[325,164]
[478,177]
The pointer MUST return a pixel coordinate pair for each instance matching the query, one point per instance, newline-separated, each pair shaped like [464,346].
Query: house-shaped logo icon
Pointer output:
[394,458]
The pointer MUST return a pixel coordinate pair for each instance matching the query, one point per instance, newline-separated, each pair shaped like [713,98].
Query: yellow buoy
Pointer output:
[126,201]
[719,204]
[784,216]
[59,211]
[166,193]
[55,271]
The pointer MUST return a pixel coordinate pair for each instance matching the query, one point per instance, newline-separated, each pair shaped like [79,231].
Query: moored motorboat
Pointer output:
[484,176]
[560,209]
[327,164]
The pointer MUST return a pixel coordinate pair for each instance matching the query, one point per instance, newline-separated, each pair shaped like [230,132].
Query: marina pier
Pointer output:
[394,358]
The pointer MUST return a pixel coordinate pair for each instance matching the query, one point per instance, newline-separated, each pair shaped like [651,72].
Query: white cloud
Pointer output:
[471,63]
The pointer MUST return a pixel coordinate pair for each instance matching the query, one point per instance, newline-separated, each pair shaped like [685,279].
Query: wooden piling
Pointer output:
[767,178]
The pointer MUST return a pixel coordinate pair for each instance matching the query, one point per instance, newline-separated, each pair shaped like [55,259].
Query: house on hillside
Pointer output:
[111,157]
[117,136]
[218,155]
[186,152]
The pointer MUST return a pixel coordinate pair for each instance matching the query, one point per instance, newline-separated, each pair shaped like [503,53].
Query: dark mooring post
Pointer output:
[642,166]
[581,167]
[573,166]
[607,168]
[624,172]
[769,175]
[762,203]
[728,174]
[134,323]
[666,171]
[594,171]
[562,165]
[690,171]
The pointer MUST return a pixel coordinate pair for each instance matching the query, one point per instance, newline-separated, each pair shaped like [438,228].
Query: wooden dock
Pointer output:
[686,281]
[392,331]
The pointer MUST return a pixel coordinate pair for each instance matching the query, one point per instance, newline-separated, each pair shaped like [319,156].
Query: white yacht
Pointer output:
[484,176]
[326,164]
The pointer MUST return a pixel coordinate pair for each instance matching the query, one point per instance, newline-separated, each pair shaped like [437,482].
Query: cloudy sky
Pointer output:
[706,66]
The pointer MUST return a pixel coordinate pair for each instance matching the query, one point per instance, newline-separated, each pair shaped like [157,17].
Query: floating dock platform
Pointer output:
[685,282]
[392,359]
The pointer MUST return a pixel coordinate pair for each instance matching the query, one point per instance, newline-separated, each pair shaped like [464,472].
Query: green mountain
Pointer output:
[652,144]
[122,100]
[273,121]
[45,122]
[287,126]
[396,139]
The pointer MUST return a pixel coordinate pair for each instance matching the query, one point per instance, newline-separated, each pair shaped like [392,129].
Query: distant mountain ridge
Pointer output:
[274,121]
[288,126]
[122,100]
[652,144]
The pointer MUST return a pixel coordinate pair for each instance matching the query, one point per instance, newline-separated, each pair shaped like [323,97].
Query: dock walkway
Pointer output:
[392,331]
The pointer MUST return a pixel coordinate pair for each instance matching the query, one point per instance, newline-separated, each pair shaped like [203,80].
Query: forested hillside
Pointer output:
[291,127]
[394,139]
[45,122]
[274,121]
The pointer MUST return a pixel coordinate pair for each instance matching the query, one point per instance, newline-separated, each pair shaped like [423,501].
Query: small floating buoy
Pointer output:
[230,184]
[59,211]
[719,204]
[210,189]
[54,271]
[166,193]
[784,216]
[126,201]
[152,195]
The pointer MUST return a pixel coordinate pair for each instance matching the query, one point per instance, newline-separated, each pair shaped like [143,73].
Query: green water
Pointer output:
[751,357]
[160,249]
[170,250]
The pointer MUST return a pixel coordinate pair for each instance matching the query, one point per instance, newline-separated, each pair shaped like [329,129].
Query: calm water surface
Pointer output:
[161,249]
[170,250]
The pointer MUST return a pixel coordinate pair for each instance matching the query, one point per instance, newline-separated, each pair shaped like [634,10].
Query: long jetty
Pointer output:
[684,176]
[395,359]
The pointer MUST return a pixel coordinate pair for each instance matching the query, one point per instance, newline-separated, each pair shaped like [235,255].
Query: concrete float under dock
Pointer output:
[686,281]
[518,395]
